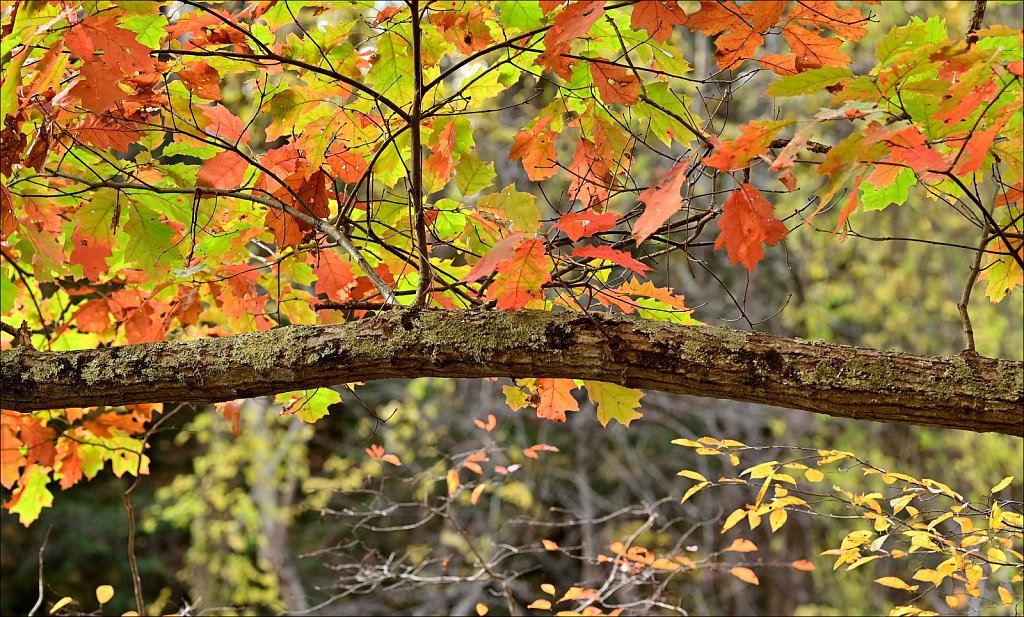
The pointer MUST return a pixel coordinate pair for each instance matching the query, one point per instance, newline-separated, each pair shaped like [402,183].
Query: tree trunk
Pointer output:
[967,392]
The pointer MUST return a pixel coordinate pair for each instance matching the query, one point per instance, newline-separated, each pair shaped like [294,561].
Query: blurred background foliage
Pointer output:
[296,517]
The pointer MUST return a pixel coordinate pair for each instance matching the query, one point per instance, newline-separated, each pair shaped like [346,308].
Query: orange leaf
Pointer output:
[614,83]
[662,201]
[334,276]
[753,142]
[657,17]
[747,223]
[607,253]
[453,481]
[536,149]
[225,170]
[745,574]
[202,80]
[520,279]
[574,21]
[585,224]
[555,398]
[741,545]
[549,545]
[802,564]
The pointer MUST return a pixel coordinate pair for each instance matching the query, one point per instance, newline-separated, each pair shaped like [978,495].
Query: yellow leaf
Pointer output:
[732,443]
[997,558]
[856,538]
[453,481]
[549,546]
[754,519]
[895,583]
[104,593]
[735,517]
[745,574]
[831,456]
[953,601]
[741,545]
[541,605]
[693,475]
[1002,484]
[481,609]
[862,561]
[900,502]
[686,442]
[548,588]
[760,471]
[813,475]
[694,490]
[130,614]
[61,604]
[777,519]
[1005,595]
[580,593]
[707,451]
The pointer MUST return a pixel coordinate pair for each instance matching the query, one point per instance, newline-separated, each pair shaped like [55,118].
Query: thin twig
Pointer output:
[965,299]
[39,600]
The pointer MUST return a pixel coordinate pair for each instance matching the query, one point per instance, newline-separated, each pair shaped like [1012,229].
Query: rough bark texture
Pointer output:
[966,392]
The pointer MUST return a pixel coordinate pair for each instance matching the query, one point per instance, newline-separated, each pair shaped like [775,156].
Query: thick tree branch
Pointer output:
[967,392]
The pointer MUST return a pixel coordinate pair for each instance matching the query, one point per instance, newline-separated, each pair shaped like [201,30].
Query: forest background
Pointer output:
[252,510]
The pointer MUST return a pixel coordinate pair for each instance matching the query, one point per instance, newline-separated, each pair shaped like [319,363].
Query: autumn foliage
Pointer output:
[179,173]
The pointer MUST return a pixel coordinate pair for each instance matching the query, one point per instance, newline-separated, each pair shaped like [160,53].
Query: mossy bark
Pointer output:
[967,392]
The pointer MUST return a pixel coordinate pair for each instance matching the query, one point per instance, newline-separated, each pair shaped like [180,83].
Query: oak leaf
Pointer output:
[747,223]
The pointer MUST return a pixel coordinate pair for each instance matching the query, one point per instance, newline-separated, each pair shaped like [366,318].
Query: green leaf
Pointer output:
[878,198]
[521,14]
[473,175]
[148,28]
[149,243]
[450,222]
[316,407]
[614,402]
[518,208]
[809,82]
[32,495]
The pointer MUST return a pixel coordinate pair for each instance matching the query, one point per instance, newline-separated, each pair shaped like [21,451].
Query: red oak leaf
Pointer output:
[38,439]
[70,465]
[520,279]
[620,258]
[741,27]
[348,166]
[662,201]
[500,252]
[440,161]
[616,84]
[226,170]
[977,147]
[334,277]
[93,316]
[753,142]
[573,22]
[657,17]
[202,80]
[747,223]
[91,253]
[107,131]
[224,124]
[591,176]
[586,224]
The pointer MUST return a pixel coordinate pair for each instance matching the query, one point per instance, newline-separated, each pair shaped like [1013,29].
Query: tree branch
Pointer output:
[967,392]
